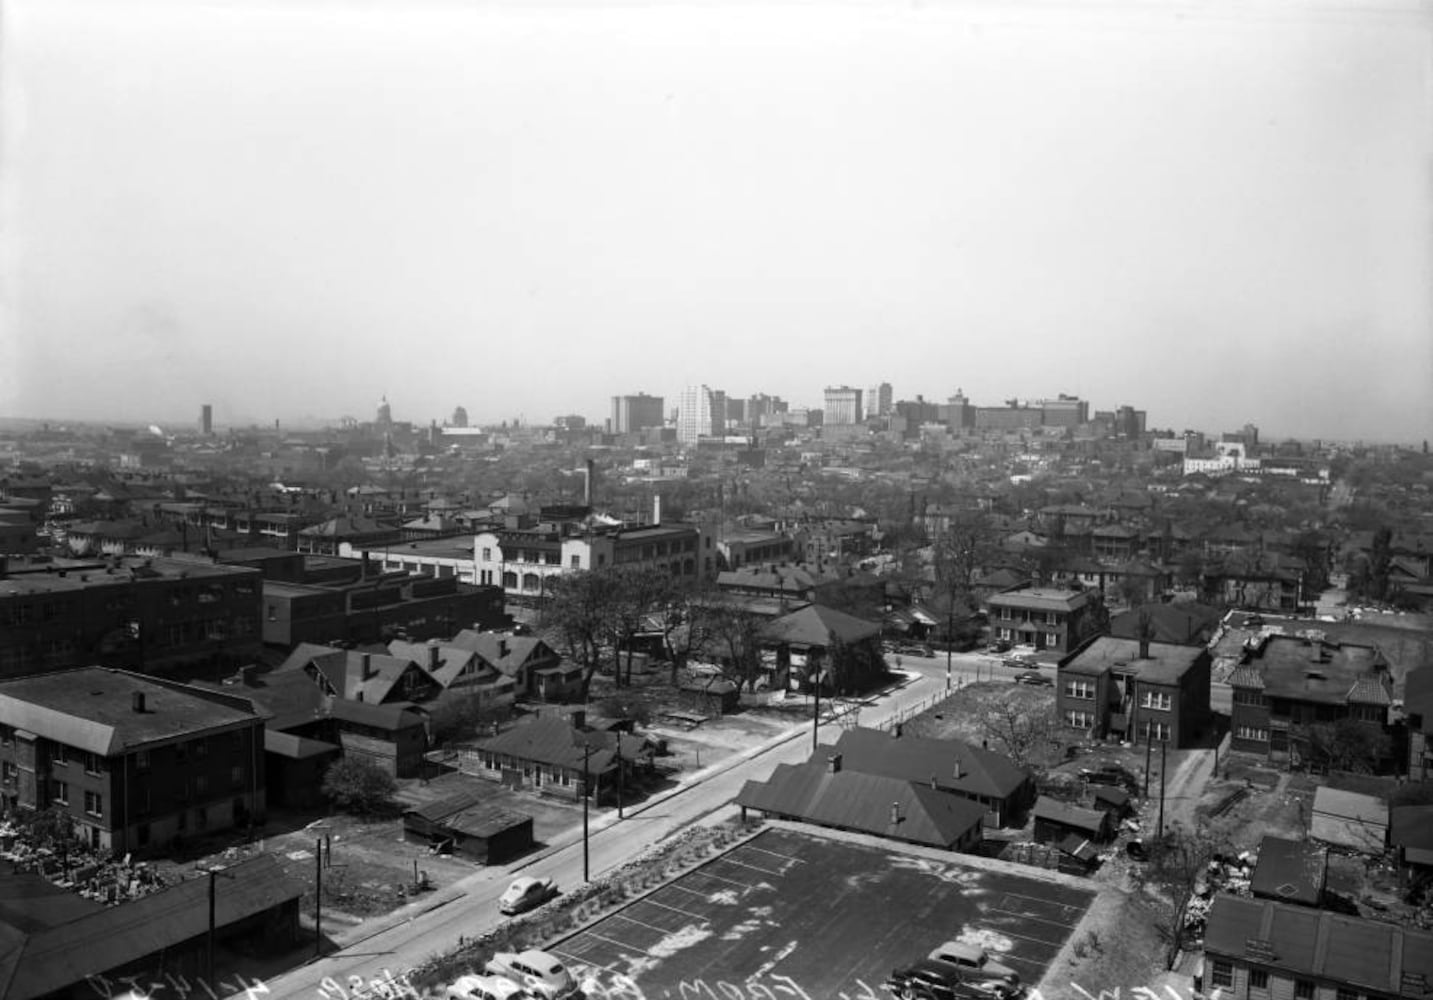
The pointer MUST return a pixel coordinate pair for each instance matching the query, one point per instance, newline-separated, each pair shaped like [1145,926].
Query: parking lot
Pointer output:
[824,916]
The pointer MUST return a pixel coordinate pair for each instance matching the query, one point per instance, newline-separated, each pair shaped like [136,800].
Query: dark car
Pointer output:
[998,646]
[1033,677]
[1113,775]
[925,979]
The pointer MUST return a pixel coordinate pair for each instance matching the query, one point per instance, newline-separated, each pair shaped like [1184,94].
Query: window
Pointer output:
[141,761]
[7,736]
[201,784]
[1079,720]
[487,554]
[9,773]
[1051,619]
[62,793]
[1344,993]
[58,754]
[576,562]
[94,763]
[1160,700]
[1157,731]
[1052,638]
[1303,989]
[1222,974]
[94,804]
[1079,689]
[1251,733]
[236,777]
[273,612]
[1258,979]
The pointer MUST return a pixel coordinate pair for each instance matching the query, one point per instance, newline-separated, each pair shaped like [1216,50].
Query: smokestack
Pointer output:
[137,702]
[657,508]
[587,483]
[833,763]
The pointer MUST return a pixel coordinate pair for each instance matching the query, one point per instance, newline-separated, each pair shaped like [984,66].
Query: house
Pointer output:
[57,943]
[1290,871]
[537,671]
[324,539]
[709,694]
[551,754]
[1188,624]
[842,650]
[1257,948]
[462,824]
[134,761]
[1113,800]
[294,768]
[1056,820]
[993,781]
[824,793]
[1134,689]
[1043,617]
[1286,683]
[358,675]
[1349,819]
[457,671]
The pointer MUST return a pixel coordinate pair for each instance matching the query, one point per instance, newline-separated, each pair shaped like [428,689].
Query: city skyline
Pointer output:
[1214,214]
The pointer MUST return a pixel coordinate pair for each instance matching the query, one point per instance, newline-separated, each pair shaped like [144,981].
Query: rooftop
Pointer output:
[1166,663]
[1042,599]
[92,709]
[1303,669]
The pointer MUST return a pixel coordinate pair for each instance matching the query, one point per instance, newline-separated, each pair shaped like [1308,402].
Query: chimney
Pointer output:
[367,663]
[657,508]
[934,783]
[833,763]
[587,483]
[955,769]
[896,731]
[578,718]
[1143,648]
[895,813]
[502,648]
[137,702]
[435,647]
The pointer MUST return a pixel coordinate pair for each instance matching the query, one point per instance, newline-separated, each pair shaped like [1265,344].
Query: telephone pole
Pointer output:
[1163,759]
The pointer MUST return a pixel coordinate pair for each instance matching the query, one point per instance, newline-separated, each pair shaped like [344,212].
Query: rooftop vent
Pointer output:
[137,702]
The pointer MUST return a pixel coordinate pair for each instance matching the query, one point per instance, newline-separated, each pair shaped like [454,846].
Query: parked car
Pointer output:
[925,979]
[485,988]
[974,964]
[526,893]
[537,972]
[1033,677]
[998,646]
[1112,774]
[1021,661]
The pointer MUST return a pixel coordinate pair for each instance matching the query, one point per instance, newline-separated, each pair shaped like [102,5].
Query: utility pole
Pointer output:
[619,774]
[586,756]
[950,643]
[816,718]
[209,942]
[1148,753]
[318,898]
[1163,758]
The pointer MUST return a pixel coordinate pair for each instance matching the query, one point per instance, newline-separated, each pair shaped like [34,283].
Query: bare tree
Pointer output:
[736,632]
[1019,726]
[578,614]
[1178,865]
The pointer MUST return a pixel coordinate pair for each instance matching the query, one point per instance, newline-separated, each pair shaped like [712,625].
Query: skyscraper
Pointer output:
[635,413]
[206,420]
[701,412]
[843,405]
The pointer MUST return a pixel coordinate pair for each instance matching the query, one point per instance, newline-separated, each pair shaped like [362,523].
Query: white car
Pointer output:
[485,988]
[976,966]
[537,972]
[526,893]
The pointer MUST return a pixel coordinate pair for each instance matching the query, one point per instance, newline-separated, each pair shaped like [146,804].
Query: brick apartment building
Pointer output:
[1287,682]
[164,615]
[1135,689]
[1043,617]
[376,609]
[134,761]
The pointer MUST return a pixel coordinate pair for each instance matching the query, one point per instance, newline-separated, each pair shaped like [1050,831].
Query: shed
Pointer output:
[712,695]
[463,825]
[1350,819]
[1290,871]
[294,767]
[1112,800]
[1054,820]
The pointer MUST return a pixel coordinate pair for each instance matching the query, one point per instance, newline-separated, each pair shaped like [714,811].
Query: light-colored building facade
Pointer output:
[701,412]
[843,405]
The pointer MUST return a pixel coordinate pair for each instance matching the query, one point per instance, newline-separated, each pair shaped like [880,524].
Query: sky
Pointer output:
[1216,211]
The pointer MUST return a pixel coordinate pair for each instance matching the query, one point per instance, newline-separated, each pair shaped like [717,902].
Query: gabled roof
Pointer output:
[952,765]
[452,660]
[508,653]
[1377,956]
[1065,814]
[819,626]
[1290,870]
[864,803]
[347,527]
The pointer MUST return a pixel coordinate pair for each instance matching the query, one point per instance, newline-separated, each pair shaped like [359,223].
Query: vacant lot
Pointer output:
[831,915]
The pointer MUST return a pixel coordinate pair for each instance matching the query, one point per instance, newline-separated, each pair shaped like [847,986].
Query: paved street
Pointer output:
[402,940]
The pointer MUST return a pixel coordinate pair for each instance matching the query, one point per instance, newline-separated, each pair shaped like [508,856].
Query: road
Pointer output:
[469,907]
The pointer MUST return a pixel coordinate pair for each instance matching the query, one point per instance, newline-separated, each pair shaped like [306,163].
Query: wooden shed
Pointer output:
[1055,820]
[461,824]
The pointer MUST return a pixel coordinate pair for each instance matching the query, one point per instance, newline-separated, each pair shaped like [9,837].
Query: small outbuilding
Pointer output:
[1350,819]
[462,824]
[1056,820]
[1290,871]
[1113,800]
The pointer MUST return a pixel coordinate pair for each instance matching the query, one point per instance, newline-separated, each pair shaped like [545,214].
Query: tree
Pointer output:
[1344,745]
[736,632]
[52,827]
[455,719]
[685,623]
[1019,725]
[355,785]
[633,594]
[578,614]
[1178,864]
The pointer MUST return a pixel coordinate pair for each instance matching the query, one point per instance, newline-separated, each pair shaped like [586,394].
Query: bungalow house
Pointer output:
[458,672]
[537,671]
[824,793]
[357,675]
[551,754]
[994,782]
[817,641]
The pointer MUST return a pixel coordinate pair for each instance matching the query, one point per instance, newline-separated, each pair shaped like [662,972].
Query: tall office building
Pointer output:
[701,412]
[879,401]
[843,405]
[635,413]
[460,417]
[206,419]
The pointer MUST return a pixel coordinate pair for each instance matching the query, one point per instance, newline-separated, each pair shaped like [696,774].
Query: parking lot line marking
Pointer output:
[765,871]
[694,892]
[1026,937]
[774,854]
[579,960]
[1045,901]
[674,909]
[729,881]
[1028,916]
[614,941]
[650,927]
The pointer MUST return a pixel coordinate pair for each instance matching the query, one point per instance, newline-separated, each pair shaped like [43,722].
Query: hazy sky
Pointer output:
[1217,211]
